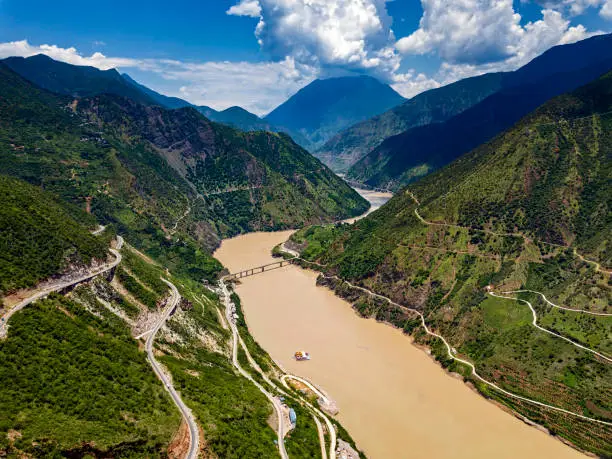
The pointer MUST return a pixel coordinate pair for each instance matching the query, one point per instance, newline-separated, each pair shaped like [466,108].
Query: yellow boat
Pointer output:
[302,355]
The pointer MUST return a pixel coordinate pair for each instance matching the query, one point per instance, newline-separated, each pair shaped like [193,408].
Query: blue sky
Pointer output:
[255,53]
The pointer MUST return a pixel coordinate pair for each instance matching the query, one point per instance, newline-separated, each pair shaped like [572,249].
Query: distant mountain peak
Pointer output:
[324,107]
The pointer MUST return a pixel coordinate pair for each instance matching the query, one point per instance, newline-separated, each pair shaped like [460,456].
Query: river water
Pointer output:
[393,398]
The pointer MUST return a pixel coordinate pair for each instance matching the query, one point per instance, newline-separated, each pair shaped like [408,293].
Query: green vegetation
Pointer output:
[433,106]
[404,158]
[303,440]
[109,154]
[231,410]
[75,384]
[39,238]
[547,182]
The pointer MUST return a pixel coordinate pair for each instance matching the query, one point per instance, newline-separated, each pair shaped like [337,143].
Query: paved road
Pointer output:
[280,435]
[194,433]
[452,355]
[56,287]
[534,322]
[330,426]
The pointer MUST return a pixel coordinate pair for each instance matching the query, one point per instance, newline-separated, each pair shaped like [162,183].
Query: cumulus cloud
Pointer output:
[606,10]
[465,31]
[577,7]
[478,36]
[347,35]
[536,38]
[249,8]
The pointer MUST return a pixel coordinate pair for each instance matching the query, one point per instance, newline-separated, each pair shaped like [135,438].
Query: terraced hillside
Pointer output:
[523,215]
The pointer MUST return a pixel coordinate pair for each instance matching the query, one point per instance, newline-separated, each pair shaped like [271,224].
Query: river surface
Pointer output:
[394,400]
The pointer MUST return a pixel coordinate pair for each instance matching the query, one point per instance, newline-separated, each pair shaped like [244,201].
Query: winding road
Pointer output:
[194,434]
[61,285]
[280,434]
[316,413]
[466,362]
[534,322]
[452,355]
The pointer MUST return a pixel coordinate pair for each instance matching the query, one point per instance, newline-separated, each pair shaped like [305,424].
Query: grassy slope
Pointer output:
[131,186]
[550,183]
[38,237]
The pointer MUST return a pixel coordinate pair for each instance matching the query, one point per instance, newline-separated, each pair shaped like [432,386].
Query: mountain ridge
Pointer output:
[513,219]
[416,152]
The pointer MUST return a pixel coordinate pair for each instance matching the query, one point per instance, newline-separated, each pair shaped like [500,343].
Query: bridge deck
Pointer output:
[260,269]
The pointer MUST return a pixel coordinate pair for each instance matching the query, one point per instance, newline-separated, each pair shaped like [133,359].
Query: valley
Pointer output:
[353,359]
[352,274]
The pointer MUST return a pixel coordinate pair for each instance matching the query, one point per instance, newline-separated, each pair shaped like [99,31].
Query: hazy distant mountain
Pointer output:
[405,157]
[74,80]
[433,106]
[320,110]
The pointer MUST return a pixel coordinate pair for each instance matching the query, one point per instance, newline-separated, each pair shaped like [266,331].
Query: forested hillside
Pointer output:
[433,106]
[170,181]
[529,210]
[403,158]
[39,238]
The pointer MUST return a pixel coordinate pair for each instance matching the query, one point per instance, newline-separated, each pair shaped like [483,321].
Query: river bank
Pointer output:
[393,399]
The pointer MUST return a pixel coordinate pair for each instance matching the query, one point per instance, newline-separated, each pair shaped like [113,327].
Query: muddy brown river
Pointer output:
[393,398]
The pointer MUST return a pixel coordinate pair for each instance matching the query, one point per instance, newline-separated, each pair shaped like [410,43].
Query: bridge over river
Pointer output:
[259,269]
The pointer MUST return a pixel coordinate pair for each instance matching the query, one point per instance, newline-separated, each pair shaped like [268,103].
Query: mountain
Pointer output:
[324,107]
[521,212]
[74,80]
[433,106]
[237,117]
[403,158]
[160,99]
[39,237]
[170,181]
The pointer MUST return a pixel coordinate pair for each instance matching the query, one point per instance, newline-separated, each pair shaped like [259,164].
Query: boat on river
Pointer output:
[301,355]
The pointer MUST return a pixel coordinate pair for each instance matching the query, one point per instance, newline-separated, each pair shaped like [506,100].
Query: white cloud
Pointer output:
[536,38]
[347,35]
[606,10]
[411,83]
[479,36]
[70,55]
[249,8]
[258,87]
[577,7]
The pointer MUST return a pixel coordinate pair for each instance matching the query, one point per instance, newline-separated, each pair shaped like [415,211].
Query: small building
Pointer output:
[292,416]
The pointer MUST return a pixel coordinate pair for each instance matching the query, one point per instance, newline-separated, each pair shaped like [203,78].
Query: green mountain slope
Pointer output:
[416,152]
[324,107]
[169,180]
[77,385]
[74,80]
[39,238]
[510,214]
[433,106]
